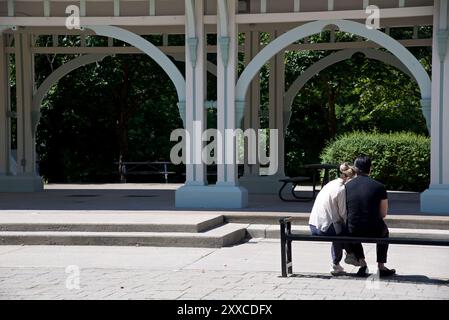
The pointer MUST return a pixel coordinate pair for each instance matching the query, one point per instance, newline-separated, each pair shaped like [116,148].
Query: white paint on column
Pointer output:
[247,113]
[5,131]
[47,8]
[195,91]
[276,99]
[443,17]
[263,6]
[444,121]
[365,4]
[251,119]
[25,83]
[439,149]
[330,5]
[200,89]
[297,6]
[116,8]
[82,40]
[82,8]
[11,8]
[415,32]
[401,3]
[152,7]
[226,107]
[280,89]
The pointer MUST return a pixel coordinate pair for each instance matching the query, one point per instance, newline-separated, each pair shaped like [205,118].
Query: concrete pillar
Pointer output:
[27,179]
[436,198]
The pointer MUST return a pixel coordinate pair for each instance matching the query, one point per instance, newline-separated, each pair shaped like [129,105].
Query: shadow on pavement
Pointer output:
[418,279]
[94,198]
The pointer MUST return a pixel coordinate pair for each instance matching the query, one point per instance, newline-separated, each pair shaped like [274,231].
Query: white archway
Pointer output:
[308,29]
[54,77]
[153,52]
[332,59]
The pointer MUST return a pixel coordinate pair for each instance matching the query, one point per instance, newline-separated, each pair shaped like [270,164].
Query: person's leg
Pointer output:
[336,248]
[336,255]
[315,231]
[345,246]
[382,249]
[357,249]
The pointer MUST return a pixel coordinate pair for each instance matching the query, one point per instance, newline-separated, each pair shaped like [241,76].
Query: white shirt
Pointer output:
[330,207]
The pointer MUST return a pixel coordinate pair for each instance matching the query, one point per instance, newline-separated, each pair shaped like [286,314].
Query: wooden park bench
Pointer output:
[287,237]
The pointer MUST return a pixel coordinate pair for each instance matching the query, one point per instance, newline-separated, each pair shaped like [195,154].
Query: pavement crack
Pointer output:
[200,258]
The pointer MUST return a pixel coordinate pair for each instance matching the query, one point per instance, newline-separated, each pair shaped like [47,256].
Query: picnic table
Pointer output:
[316,167]
[127,168]
[295,181]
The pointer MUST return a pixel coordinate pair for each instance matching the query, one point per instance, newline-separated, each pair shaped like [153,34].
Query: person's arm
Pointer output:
[383,202]
[383,208]
[341,202]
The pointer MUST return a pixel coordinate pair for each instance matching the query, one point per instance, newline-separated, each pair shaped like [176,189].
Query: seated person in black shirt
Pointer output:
[367,206]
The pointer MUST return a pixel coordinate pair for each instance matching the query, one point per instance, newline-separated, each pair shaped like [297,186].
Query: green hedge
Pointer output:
[400,160]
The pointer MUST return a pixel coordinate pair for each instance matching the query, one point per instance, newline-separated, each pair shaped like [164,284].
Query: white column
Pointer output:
[195,94]
[226,108]
[269,184]
[436,198]
[5,131]
[276,102]
[26,179]
[25,84]
[226,193]
[251,119]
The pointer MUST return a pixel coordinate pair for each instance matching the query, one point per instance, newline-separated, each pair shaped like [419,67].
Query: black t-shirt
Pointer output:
[363,197]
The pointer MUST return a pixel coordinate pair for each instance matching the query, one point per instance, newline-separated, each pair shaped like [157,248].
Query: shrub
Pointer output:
[400,160]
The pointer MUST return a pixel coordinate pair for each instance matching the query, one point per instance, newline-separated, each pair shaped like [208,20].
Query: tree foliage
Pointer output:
[125,106]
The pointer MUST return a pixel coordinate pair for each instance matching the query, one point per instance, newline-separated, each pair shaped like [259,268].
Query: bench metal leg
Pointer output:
[289,249]
[283,250]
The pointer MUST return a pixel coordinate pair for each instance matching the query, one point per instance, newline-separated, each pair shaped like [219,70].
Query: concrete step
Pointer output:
[273,232]
[225,235]
[107,222]
[393,221]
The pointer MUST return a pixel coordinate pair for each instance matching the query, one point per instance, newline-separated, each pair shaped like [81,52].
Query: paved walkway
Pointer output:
[248,271]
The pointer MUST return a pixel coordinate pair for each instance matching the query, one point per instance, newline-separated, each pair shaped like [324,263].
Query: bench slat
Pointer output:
[395,240]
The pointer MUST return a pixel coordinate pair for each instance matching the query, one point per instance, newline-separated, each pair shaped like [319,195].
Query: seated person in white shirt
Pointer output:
[328,216]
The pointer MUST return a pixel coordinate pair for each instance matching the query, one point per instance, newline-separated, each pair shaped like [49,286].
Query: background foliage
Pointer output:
[125,106]
[400,160]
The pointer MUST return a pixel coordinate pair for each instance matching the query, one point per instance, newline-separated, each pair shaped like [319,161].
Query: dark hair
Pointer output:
[363,164]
